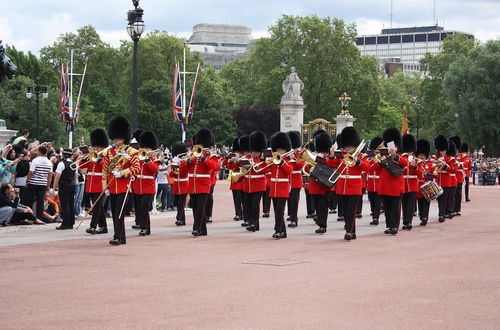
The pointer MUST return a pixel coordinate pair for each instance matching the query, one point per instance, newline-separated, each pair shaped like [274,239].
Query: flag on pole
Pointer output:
[64,94]
[404,127]
[177,95]
[189,117]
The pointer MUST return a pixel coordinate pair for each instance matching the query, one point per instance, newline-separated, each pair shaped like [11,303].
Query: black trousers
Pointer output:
[408,202]
[210,203]
[117,201]
[293,204]
[321,206]
[36,194]
[198,203]
[253,207]
[309,203]
[238,203]
[98,214]
[359,207]
[279,214]
[374,199]
[333,201]
[144,205]
[135,201]
[246,211]
[466,188]
[450,204]
[181,204]
[340,212]
[423,208]
[458,198]
[266,201]
[349,205]
[442,201]
[67,198]
[392,210]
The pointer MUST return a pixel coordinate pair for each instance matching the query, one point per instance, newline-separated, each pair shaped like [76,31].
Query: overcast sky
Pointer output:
[32,24]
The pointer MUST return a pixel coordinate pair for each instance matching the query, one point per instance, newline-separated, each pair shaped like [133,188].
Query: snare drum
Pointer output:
[431,190]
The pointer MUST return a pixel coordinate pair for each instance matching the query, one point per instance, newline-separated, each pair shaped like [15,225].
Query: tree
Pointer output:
[472,85]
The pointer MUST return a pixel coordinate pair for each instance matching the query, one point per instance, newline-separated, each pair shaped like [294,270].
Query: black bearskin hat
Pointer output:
[440,143]
[392,134]
[350,137]
[236,145]
[317,132]
[204,137]
[244,143]
[137,135]
[322,142]
[409,143]
[178,148]
[339,141]
[148,139]
[452,149]
[280,140]
[258,141]
[120,128]
[464,148]
[375,142]
[456,140]
[294,139]
[423,147]
[98,138]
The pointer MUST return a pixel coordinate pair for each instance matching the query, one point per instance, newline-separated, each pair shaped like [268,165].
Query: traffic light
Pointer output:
[7,68]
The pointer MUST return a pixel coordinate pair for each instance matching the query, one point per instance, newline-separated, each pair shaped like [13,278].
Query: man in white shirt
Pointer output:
[38,180]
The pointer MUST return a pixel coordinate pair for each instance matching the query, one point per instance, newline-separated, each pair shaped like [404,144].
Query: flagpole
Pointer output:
[81,86]
[70,134]
[184,92]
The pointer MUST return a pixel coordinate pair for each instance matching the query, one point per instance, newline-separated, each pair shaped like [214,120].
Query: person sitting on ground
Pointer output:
[11,210]
[51,212]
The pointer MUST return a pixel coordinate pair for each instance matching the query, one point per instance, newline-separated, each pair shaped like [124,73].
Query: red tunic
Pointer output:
[215,173]
[389,185]
[314,187]
[373,177]
[255,181]
[93,182]
[444,175]
[296,175]
[181,181]
[235,168]
[128,165]
[411,174]
[425,167]
[145,179]
[279,181]
[351,180]
[200,174]
[460,168]
[467,166]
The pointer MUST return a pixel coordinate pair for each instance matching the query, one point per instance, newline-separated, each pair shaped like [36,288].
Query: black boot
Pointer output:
[90,231]
[143,232]
[102,230]
[374,222]
[292,224]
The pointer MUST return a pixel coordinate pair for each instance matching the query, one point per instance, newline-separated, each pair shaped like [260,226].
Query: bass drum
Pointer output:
[431,190]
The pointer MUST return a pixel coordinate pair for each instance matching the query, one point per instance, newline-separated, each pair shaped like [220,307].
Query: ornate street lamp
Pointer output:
[344,102]
[135,28]
[37,90]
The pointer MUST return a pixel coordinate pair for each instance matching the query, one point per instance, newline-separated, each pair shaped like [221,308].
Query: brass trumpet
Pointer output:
[351,159]
[198,151]
[277,157]
[142,154]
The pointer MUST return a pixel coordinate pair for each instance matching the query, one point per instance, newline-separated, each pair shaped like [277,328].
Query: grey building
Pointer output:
[405,45]
[220,43]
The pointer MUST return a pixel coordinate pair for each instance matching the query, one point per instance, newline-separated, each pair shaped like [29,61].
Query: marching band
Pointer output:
[399,174]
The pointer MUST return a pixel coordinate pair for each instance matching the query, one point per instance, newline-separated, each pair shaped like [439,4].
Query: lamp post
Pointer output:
[135,28]
[344,101]
[37,90]
[418,106]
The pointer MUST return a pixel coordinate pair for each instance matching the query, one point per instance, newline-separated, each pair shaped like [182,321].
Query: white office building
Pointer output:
[405,45]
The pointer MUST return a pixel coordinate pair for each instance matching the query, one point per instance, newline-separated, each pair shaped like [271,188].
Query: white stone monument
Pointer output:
[292,105]
[5,134]
[344,119]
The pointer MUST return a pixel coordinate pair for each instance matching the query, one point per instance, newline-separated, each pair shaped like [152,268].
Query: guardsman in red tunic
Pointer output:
[144,185]
[295,178]
[280,181]
[245,163]
[450,203]
[467,166]
[372,180]
[319,193]
[119,166]
[181,181]
[309,200]
[93,182]
[210,199]
[426,174]
[443,166]
[350,182]
[200,168]
[255,182]
[236,187]
[390,186]
[460,175]
[410,185]
[266,199]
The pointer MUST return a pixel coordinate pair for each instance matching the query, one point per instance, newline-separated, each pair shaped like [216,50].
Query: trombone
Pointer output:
[198,151]
[351,159]
[143,154]
[91,157]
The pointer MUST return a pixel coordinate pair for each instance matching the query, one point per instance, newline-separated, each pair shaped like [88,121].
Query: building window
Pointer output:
[382,40]
[408,38]
[395,39]
[370,40]
[360,41]
[433,37]
[420,37]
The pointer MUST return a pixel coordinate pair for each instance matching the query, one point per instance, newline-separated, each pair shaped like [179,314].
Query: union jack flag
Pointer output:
[64,98]
[177,106]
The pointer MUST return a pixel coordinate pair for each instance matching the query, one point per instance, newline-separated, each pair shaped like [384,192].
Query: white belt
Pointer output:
[144,176]
[296,172]
[94,174]
[452,174]
[411,177]
[350,176]
[279,180]
[181,180]
[254,176]
[199,175]
[373,177]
